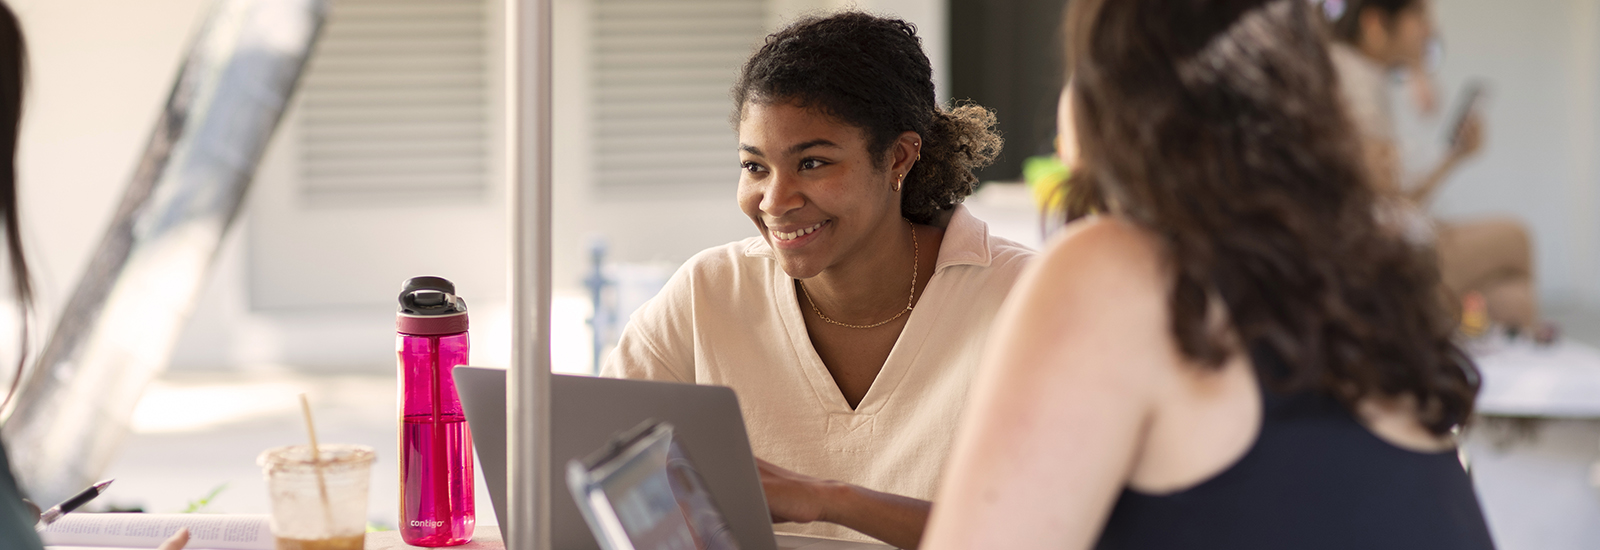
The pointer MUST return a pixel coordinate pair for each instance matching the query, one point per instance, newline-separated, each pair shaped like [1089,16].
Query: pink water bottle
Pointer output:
[436,487]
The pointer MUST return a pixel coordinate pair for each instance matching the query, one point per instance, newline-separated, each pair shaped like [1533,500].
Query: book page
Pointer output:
[206,531]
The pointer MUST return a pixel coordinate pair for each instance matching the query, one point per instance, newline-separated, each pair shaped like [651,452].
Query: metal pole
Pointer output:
[528,186]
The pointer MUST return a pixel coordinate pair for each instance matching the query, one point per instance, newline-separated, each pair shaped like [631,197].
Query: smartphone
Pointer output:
[1471,95]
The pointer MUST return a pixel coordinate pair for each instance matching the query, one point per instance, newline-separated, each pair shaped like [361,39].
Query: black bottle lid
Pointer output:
[429,297]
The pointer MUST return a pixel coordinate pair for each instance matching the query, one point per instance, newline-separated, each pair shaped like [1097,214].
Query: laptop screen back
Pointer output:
[587,411]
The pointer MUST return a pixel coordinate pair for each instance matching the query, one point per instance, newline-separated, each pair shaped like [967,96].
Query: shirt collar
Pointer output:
[966,242]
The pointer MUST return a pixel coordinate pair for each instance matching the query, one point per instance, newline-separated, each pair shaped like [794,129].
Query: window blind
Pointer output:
[394,105]
[662,71]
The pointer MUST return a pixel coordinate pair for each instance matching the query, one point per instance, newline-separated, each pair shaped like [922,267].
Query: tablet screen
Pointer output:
[651,490]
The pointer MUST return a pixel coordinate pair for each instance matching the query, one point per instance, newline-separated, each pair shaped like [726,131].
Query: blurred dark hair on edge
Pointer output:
[13,71]
[1216,126]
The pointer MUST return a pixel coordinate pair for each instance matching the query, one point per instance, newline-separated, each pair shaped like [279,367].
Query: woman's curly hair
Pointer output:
[1216,125]
[870,72]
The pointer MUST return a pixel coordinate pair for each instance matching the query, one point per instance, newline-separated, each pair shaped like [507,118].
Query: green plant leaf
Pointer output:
[201,504]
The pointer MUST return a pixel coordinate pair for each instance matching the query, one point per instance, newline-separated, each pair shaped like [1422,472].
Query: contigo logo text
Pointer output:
[427,523]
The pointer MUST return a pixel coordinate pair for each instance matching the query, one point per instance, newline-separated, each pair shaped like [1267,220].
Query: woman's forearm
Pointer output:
[893,519]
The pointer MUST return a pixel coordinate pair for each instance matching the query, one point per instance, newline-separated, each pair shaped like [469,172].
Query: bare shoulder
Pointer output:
[1098,288]
[1100,259]
[1105,238]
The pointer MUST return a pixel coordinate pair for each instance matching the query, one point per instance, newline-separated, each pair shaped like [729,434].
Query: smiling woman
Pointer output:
[851,326]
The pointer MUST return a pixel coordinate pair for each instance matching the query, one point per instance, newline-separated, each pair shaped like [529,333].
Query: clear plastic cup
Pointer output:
[313,514]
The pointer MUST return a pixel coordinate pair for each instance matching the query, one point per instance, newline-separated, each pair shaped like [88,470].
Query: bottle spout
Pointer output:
[430,296]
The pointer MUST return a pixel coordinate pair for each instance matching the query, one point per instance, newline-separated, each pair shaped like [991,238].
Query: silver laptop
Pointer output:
[586,412]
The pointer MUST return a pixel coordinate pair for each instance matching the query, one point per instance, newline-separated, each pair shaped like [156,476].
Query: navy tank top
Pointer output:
[1315,478]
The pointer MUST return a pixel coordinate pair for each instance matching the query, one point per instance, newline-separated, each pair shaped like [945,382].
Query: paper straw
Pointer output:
[316,461]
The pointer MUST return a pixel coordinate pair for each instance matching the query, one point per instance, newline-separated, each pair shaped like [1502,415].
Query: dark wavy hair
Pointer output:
[13,68]
[1345,22]
[870,72]
[1215,125]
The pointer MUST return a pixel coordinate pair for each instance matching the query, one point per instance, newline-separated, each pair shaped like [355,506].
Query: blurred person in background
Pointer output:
[17,516]
[1233,353]
[1375,39]
[852,325]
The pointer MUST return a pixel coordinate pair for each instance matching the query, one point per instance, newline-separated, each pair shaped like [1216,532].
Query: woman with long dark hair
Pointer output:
[852,324]
[1224,349]
[16,518]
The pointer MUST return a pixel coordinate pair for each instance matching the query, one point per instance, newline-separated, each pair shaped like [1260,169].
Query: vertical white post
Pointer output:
[528,187]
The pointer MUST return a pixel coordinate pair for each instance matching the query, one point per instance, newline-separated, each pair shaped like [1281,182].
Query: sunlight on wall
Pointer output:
[173,408]
[195,405]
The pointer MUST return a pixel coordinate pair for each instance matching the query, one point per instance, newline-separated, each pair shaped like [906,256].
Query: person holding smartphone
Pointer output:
[1491,256]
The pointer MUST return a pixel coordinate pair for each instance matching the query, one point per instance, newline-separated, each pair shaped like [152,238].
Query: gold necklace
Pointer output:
[909,299]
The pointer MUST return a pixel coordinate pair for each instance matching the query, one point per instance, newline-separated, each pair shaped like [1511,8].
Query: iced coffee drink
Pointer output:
[319,505]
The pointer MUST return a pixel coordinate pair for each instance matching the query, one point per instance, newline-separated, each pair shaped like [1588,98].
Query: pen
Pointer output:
[55,512]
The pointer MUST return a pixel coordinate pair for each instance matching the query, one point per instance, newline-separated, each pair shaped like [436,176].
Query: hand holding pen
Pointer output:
[55,512]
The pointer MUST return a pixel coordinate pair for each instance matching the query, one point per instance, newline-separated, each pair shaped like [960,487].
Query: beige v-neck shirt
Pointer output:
[730,317]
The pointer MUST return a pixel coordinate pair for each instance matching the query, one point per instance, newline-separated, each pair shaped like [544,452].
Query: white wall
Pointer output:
[931,18]
[314,284]
[1542,58]
[99,72]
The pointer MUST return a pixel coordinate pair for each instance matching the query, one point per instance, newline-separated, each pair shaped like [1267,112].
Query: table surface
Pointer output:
[1557,381]
[490,540]
[482,539]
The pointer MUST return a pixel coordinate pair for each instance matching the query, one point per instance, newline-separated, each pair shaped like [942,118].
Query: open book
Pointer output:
[206,531]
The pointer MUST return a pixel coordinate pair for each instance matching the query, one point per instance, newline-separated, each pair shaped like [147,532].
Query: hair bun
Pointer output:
[960,140]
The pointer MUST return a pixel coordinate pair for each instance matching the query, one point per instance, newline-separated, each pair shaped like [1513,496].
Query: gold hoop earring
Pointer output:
[898,179]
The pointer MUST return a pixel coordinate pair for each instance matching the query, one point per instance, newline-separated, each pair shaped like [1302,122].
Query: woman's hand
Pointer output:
[799,498]
[1469,139]
[1467,142]
[794,497]
[177,541]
